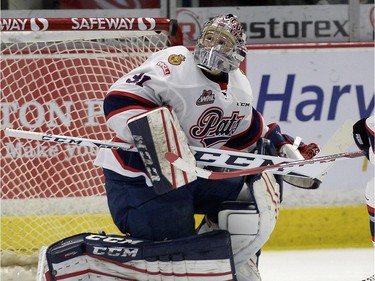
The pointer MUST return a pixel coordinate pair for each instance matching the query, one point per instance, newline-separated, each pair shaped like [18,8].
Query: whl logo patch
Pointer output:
[207,97]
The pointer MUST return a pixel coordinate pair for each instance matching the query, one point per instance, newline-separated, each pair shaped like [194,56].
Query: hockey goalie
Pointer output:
[174,100]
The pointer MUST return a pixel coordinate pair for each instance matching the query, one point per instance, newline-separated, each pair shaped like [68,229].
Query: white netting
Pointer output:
[54,82]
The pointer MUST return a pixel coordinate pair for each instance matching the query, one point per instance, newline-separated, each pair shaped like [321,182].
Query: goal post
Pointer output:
[54,75]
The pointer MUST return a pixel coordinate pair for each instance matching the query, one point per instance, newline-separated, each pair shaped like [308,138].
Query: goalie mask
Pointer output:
[221,45]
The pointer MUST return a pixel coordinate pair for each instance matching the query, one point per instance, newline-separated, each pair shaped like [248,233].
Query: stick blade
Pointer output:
[340,141]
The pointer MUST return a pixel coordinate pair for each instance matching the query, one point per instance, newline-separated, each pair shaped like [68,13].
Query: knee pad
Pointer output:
[239,218]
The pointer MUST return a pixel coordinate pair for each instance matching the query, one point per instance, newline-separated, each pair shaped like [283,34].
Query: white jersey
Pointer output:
[212,114]
[370,128]
[370,188]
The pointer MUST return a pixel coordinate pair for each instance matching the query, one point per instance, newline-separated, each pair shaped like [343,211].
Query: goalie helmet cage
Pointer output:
[54,75]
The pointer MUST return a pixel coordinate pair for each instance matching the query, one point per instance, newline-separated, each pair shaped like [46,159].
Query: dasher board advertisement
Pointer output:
[284,24]
[311,93]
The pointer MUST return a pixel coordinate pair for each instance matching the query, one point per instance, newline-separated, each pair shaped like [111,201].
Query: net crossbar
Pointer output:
[54,75]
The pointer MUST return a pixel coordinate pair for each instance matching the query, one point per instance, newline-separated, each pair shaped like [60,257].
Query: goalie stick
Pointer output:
[68,140]
[285,167]
[313,175]
[340,141]
[242,161]
[204,156]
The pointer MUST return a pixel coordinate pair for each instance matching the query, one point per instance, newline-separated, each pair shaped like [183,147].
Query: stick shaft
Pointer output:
[280,167]
[244,163]
[203,155]
[68,140]
[296,166]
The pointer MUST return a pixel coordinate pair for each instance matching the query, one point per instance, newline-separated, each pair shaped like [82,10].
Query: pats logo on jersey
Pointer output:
[176,59]
[206,97]
[213,127]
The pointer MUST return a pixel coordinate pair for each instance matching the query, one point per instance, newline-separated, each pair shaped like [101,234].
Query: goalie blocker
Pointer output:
[112,257]
[155,133]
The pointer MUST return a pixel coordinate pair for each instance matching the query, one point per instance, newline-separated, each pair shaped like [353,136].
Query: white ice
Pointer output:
[317,265]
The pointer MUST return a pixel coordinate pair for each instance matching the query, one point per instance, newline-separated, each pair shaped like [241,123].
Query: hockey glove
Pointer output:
[360,136]
[288,147]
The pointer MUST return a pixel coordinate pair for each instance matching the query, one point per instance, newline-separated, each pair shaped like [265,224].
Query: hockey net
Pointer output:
[54,75]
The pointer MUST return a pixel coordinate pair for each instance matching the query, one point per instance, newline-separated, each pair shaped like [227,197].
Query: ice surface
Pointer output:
[317,265]
[295,265]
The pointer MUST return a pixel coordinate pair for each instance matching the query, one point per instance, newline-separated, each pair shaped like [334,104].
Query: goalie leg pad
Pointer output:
[155,133]
[113,257]
[242,220]
[251,224]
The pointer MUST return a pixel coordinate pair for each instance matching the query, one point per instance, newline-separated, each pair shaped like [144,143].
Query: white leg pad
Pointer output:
[250,229]
[249,271]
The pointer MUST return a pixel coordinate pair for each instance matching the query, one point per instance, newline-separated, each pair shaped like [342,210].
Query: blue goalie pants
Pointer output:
[136,208]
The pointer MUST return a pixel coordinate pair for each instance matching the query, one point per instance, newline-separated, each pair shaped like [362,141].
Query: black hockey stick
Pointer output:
[285,167]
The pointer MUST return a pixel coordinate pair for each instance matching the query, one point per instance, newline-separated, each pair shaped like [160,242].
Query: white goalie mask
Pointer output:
[221,45]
